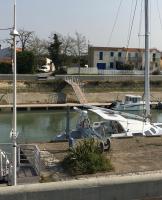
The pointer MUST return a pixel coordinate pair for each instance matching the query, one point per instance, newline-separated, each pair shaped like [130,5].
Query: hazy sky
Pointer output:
[92,18]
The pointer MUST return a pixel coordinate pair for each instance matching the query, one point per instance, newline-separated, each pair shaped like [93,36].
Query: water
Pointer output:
[42,126]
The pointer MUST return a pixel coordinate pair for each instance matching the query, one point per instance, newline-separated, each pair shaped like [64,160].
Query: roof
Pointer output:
[122,49]
[134,96]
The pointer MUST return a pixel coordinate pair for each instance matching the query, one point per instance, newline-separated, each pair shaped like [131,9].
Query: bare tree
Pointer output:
[24,38]
[39,48]
[72,48]
[79,47]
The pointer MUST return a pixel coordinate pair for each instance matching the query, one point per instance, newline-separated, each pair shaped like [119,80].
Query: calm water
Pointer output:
[37,126]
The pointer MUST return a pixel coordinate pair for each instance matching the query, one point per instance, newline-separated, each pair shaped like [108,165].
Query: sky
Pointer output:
[91,18]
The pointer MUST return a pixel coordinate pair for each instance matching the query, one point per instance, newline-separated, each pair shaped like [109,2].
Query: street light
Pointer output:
[14,33]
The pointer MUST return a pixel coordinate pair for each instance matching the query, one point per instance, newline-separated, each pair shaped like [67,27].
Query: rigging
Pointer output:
[115,21]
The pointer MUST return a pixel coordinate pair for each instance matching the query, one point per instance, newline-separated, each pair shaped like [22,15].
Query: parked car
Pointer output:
[44,68]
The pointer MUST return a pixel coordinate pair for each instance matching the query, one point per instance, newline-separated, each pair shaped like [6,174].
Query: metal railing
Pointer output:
[4,164]
[29,155]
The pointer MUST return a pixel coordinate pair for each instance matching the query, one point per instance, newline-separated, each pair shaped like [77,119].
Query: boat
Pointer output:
[130,102]
[115,124]
[84,130]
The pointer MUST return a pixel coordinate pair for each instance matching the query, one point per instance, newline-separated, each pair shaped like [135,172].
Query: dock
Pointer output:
[29,107]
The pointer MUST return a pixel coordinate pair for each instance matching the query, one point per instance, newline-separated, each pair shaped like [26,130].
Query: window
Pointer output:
[154,57]
[100,55]
[129,55]
[111,54]
[119,54]
[101,65]
[111,65]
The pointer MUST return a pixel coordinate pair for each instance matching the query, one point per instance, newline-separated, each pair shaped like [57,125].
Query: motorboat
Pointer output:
[131,102]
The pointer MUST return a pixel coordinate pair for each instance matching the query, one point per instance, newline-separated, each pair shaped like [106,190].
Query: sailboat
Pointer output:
[114,123]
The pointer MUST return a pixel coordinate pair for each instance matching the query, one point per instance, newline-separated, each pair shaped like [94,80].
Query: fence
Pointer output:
[29,155]
[95,71]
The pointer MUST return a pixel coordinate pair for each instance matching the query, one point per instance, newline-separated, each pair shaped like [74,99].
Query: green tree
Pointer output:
[25,62]
[5,68]
[55,51]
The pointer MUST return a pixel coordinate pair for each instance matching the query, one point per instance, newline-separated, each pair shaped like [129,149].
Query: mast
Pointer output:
[14,33]
[147,62]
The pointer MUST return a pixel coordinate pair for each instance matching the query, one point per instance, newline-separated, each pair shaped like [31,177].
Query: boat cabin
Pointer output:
[132,99]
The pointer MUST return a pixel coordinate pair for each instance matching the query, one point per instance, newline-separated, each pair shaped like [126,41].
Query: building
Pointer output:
[6,54]
[119,58]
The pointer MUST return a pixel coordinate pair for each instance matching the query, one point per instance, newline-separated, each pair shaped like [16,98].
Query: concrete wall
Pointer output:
[103,188]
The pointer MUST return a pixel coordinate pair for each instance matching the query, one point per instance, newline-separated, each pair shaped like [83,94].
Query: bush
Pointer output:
[25,62]
[86,158]
[5,68]
[157,72]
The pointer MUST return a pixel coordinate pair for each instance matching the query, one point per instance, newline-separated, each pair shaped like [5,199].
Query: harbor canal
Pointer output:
[42,126]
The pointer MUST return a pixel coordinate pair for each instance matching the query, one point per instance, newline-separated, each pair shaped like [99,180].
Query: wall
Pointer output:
[95,71]
[111,188]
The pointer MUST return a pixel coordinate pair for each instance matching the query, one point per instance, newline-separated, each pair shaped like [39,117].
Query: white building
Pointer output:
[119,58]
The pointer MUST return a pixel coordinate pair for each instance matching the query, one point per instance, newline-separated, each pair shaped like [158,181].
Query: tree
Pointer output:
[80,46]
[67,43]
[39,48]
[68,50]
[24,38]
[55,51]
[25,62]
[5,68]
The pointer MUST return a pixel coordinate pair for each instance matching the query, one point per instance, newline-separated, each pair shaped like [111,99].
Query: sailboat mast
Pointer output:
[147,62]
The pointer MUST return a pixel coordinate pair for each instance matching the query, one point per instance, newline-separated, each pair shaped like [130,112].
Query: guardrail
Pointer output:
[29,155]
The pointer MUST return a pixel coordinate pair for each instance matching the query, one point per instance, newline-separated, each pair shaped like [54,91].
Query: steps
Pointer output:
[76,87]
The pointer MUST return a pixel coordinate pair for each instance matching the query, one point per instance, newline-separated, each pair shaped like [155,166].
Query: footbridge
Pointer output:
[76,85]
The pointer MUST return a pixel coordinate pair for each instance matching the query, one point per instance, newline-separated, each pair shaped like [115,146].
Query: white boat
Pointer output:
[113,124]
[131,102]
[119,124]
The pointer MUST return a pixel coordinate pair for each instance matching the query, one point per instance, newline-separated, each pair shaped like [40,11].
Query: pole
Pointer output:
[67,121]
[147,62]
[14,33]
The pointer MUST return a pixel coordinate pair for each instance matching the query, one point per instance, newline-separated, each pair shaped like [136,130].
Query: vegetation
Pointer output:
[86,158]
[25,62]
[5,68]
[55,51]
[124,66]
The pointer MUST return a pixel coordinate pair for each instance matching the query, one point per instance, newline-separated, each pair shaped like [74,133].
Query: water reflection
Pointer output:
[39,126]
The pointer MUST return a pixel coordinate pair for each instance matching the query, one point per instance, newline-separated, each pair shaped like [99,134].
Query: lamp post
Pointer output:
[14,33]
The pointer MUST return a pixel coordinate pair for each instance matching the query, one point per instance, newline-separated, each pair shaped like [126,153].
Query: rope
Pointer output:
[160,19]
[130,18]
[129,36]
[140,25]
[5,29]
[115,21]
[131,28]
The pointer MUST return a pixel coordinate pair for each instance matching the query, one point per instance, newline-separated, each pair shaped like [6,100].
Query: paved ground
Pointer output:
[133,155]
